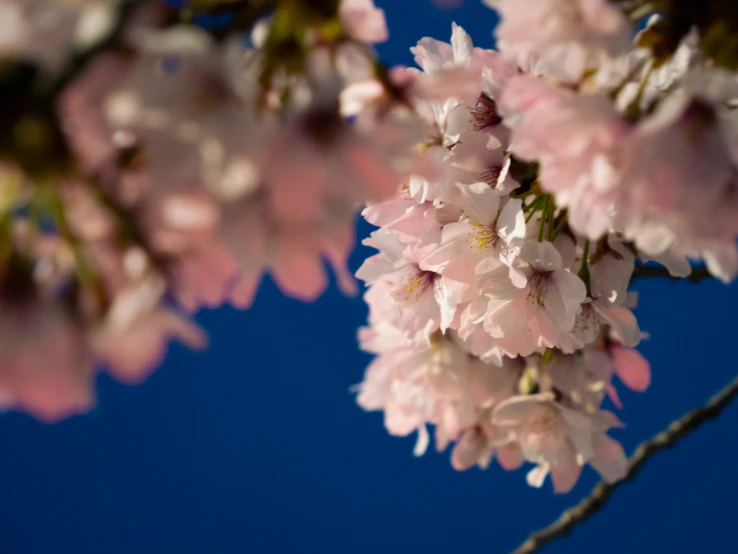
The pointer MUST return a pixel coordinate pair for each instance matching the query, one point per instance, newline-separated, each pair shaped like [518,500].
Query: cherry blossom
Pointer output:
[44,30]
[152,167]
[571,35]
[561,439]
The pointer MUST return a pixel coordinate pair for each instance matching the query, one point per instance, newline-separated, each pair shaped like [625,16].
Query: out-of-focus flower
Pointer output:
[364,20]
[45,30]
[568,37]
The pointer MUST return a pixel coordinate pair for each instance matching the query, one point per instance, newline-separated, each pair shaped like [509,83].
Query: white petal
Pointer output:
[462,44]
[622,321]
[541,255]
[511,223]
[519,409]
[722,262]
[479,202]
[537,476]
[421,445]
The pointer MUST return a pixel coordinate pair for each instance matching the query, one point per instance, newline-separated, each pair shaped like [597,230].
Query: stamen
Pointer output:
[485,113]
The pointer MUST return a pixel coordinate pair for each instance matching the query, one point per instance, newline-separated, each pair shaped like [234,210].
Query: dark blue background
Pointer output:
[257,446]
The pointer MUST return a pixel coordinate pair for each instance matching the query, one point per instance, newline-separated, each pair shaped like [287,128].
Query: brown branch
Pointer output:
[667,438]
[698,273]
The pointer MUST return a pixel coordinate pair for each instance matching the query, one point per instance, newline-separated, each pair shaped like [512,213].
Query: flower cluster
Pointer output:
[160,157]
[499,302]
[150,167]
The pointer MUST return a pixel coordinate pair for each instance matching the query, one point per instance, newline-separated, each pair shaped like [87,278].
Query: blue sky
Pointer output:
[257,446]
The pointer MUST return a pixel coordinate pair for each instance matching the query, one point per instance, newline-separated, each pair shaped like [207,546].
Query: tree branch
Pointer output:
[698,273]
[667,438]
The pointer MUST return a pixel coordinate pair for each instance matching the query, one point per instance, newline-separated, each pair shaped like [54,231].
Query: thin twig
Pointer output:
[667,438]
[698,273]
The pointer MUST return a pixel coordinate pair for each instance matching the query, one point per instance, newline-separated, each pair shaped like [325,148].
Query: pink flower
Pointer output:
[87,129]
[490,384]
[546,300]
[583,378]
[570,36]
[408,384]
[478,445]
[404,293]
[492,228]
[334,162]
[177,219]
[292,254]
[45,30]
[197,119]
[46,367]
[472,448]
[485,234]
[688,139]
[135,332]
[481,157]
[433,55]
[561,439]
[364,20]
[573,137]
[610,274]
[132,353]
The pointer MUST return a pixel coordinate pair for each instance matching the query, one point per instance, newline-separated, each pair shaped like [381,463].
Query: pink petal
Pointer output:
[509,456]
[622,321]
[519,409]
[631,367]
[609,459]
[565,477]
[300,274]
[468,450]
[244,290]
[612,393]
[364,21]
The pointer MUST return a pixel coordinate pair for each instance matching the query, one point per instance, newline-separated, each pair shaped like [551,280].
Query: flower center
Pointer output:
[491,175]
[543,436]
[484,237]
[415,285]
[537,287]
[485,113]
[546,421]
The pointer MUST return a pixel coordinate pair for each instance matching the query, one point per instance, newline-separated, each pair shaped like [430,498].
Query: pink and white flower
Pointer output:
[566,36]
[561,439]
[545,298]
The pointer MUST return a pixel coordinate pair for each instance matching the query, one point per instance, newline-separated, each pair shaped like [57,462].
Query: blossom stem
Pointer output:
[633,111]
[584,268]
[543,222]
[551,210]
[599,496]
[560,225]
[546,210]
[533,205]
